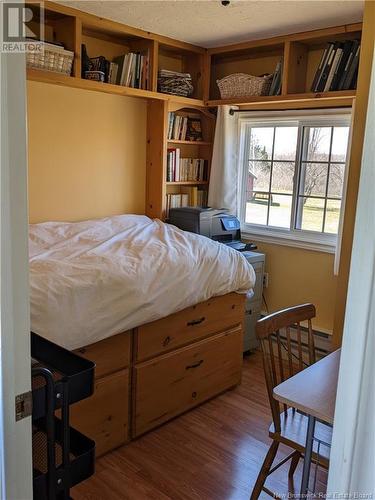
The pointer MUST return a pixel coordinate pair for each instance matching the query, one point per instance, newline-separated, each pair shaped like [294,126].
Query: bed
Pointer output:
[158,309]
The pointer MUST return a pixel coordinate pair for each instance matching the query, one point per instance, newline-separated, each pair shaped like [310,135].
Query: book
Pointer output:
[352,68]
[185,169]
[132,70]
[120,61]
[319,73]
[194,129]
[335,62]
[275,87]
[346,49]
[327,67]
[319,70]
[349,60]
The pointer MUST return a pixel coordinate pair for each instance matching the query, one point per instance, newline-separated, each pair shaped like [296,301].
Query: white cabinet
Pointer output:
[254,303]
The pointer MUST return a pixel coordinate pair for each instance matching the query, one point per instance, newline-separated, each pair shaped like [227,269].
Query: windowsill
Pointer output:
[313,241]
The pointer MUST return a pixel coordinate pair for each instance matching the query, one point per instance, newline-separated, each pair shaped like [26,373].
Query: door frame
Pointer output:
[15,368]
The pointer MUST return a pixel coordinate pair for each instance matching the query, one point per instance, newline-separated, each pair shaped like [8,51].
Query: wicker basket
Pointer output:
[242,85]
[51,58]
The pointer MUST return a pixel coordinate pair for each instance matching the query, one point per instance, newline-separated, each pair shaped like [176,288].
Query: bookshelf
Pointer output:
[300,52]
[157,185]
[110,39]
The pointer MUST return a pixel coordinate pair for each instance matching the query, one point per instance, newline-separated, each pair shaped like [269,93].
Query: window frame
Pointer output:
[312,240]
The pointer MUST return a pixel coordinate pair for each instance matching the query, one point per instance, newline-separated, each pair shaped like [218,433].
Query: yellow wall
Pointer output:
[87,153]
[297,276]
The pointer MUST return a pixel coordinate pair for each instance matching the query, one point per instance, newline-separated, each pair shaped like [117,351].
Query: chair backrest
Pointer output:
[277,367]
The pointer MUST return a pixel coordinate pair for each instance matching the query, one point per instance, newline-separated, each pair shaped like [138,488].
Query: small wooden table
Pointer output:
[312,391]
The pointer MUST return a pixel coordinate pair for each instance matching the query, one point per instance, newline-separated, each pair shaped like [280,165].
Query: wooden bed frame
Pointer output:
[157,371]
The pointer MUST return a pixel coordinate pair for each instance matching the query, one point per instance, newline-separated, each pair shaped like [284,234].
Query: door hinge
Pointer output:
[24,405]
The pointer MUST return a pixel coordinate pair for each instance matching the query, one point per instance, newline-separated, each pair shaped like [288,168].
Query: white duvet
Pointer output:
[90,280]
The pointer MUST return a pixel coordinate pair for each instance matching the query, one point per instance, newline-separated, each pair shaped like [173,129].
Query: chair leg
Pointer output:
[264,471]
[294,462]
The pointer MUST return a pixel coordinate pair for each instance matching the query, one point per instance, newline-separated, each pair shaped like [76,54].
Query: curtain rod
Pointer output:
[232,111]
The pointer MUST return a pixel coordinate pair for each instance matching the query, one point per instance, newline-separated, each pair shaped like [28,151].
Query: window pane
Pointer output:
[282,177]
[336,180]
[261,140]
[256,208]
[317,142]
[280,211]
[285,143]
[339,143]
[259,176]
[313,180]
[310,214]
[332,216]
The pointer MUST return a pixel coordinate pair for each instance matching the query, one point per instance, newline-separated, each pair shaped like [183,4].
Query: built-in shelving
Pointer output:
[108,88]
[300,53]
[324,99]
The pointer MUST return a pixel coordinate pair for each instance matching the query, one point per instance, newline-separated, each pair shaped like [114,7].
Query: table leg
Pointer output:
[308,455]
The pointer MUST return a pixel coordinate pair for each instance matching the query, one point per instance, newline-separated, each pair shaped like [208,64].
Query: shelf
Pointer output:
[108,88]
[339,98]
[195,143]
[187,183]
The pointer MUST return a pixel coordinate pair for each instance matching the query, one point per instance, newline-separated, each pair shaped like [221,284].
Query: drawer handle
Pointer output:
[196,321]
[195,365]
[166,341]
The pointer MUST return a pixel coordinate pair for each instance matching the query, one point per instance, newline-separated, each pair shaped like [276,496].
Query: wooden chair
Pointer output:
[280,362]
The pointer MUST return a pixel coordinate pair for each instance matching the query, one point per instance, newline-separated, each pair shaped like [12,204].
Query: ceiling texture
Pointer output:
[208,23]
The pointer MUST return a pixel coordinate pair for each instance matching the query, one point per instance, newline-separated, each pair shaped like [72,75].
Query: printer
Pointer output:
[216,224]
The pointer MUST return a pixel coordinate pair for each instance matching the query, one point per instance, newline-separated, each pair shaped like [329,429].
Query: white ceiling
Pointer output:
[207,23]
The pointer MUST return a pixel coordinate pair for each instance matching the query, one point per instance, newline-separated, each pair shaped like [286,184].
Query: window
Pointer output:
[293,176]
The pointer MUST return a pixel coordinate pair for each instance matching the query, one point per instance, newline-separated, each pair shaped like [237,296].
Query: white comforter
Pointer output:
[93,279]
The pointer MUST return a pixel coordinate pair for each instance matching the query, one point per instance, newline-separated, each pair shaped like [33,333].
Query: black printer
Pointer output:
[214,223]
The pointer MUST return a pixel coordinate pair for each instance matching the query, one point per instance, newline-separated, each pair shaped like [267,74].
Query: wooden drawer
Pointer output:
[194,323]
[109,355]
[174,382]
[104,417]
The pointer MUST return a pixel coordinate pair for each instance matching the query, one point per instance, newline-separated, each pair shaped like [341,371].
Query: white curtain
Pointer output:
[223,189]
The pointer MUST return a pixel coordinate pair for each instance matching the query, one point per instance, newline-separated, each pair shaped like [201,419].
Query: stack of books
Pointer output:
[185,169]
[172,82]
[275,88]
[189,197]
[133,69]
[105,70]
[176,201]
[130,70]
[338,67]
[184,128]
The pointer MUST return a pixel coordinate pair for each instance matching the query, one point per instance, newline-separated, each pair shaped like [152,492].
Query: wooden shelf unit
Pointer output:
[111,39]
[300,52]
[157,186]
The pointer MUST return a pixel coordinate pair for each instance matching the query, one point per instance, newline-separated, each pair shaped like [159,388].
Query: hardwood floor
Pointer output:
[213,452]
